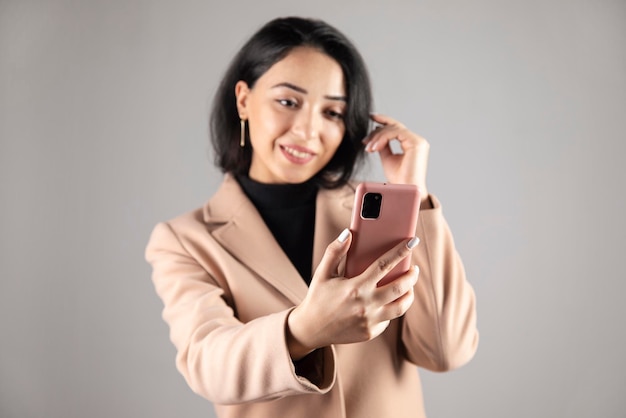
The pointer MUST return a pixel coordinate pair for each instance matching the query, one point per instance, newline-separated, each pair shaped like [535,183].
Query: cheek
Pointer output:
[261,129]
[335,137]
[270,123]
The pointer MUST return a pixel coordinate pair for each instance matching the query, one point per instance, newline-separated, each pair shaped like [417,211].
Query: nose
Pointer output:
[307,124]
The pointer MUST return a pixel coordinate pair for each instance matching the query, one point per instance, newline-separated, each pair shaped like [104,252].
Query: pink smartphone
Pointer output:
[383,215]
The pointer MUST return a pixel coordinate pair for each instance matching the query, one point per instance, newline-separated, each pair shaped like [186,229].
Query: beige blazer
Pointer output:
[227,288]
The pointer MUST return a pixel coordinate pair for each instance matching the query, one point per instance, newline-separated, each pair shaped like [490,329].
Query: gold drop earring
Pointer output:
[242,140]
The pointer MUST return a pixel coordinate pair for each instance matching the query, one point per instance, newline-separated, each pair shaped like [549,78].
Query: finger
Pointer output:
[375,130]
[406,138]
[385,263]
[379,328]
[397,288]
[380,122]
[387,122]
[398,307]
[384,119]
[333,255]
[379,139]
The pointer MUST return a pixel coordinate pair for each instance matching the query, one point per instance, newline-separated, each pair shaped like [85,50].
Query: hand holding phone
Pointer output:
[383,215]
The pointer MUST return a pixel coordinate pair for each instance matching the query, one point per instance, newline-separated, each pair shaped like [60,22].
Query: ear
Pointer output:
[241,96]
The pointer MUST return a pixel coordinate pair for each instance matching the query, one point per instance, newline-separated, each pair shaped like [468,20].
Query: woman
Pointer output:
[259,331]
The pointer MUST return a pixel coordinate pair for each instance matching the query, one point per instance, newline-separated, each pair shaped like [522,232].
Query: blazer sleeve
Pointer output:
[221,358]
[439,330]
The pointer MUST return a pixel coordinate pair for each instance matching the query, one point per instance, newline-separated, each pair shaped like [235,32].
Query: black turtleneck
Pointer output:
[289,212]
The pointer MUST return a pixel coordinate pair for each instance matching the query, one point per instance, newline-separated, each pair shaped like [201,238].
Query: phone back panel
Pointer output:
[371,238]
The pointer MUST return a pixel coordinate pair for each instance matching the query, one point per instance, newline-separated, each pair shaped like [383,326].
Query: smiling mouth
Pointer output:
[297,153]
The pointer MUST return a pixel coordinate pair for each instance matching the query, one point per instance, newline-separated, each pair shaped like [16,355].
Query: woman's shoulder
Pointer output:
[202,215]
[189,219]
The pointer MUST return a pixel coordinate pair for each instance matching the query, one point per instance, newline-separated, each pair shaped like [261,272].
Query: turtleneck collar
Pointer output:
[275,196]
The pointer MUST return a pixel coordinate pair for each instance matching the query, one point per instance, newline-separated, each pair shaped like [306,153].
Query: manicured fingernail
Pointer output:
[413,243]
[343,236]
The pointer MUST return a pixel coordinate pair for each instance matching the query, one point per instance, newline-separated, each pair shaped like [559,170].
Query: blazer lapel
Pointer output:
[236,224]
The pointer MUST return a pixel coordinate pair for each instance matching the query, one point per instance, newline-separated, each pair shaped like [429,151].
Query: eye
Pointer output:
[287,102]
[333,114]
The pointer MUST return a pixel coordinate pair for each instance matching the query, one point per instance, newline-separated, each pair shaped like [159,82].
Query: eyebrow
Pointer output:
[303,91]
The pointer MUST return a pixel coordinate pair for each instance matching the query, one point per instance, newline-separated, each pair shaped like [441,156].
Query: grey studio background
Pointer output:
[103,128]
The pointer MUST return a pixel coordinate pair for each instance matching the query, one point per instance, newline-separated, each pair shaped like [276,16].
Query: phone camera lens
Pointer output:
[371,205]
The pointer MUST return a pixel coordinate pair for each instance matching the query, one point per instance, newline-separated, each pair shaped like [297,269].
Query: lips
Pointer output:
[297,154]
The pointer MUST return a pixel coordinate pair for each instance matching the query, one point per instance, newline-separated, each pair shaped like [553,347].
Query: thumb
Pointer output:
[333,255]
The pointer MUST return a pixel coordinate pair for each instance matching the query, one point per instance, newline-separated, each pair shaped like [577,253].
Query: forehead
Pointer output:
[308,68]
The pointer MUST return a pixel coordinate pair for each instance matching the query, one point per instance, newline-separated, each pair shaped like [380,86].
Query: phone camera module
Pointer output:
[371,205]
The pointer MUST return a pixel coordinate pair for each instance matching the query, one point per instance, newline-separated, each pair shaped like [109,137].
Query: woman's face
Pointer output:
[295,116]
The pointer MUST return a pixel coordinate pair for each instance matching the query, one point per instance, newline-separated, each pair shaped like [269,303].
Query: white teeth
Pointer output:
[296,153]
